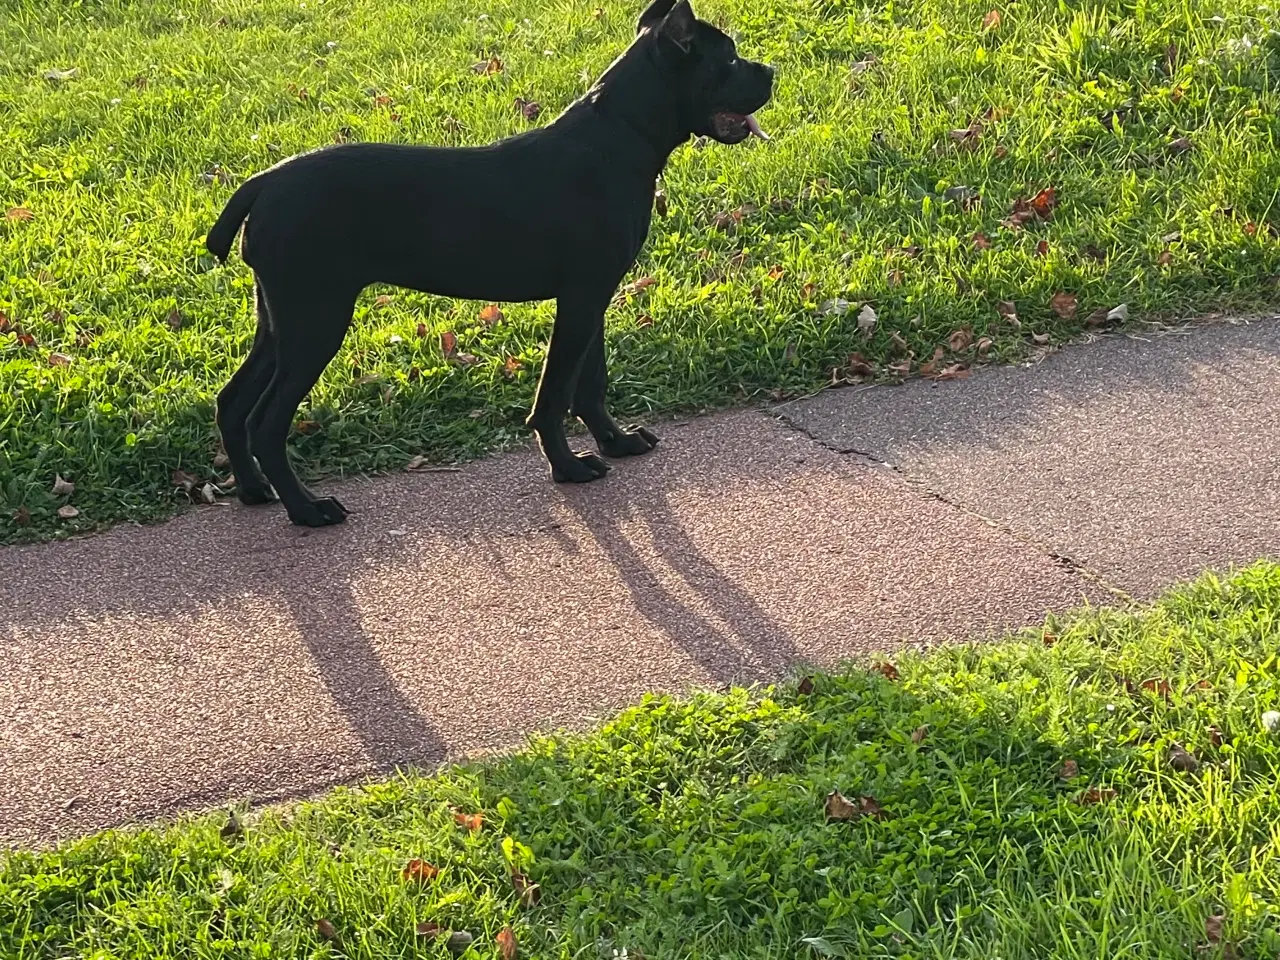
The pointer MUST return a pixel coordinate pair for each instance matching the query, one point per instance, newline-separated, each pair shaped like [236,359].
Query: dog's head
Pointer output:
[718,91]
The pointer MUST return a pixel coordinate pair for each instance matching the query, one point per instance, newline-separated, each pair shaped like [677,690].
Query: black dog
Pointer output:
[560,212]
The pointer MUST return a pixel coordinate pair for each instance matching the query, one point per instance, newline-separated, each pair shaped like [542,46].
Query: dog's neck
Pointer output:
[634,93]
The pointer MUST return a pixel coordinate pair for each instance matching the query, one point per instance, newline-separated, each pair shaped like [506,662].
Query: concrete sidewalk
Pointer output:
[226,654]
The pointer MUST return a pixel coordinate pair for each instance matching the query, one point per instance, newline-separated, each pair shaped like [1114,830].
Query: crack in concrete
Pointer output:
[1078,567]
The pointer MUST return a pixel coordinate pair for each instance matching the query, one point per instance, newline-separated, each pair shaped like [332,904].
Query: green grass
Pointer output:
[125,164]
[696,828]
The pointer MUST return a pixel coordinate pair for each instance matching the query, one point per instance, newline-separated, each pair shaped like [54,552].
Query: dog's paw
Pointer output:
[629,443]
[255,495]
[583,468]
[321,512]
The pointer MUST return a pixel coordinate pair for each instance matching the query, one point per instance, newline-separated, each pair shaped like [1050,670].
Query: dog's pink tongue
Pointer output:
[754,126]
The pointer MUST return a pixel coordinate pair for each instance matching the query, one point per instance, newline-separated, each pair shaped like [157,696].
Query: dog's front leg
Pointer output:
[579,319]
[589,407]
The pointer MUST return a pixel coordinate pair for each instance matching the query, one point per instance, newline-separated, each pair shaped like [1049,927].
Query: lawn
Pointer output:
[1105,787]
[914,145]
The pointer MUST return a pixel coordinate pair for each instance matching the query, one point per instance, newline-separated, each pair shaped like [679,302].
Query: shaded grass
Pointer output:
[695,828]
[125,164]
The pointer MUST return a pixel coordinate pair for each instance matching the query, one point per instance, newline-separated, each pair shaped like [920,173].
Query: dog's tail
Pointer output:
[233,214]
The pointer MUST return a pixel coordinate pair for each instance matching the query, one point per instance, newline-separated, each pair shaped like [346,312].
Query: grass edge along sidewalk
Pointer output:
[1106,785]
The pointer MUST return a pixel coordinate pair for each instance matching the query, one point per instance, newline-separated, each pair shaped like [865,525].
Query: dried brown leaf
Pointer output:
[1069,771]
[507,944]
[838,807]
[981,241]
[471,821]
[19,214]
[528,891]
[960,339]
[1064,305]
[419,870]
[805,687]
[488,67]
[1096,795]
[992,20]
[920,732]
[491,314]
[886,668]
[62,488]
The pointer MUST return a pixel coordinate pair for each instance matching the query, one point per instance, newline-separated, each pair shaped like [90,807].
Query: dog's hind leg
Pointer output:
[589,407]
[579,317]
[308,333]
[236,401]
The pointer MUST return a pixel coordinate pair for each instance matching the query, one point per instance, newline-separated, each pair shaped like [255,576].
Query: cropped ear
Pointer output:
[678,26]
[654,13]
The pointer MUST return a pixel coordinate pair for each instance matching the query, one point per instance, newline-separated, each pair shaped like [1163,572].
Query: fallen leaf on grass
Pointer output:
[1213,928]
[62,488]
[59,360]
[22,517]
[1064,305]
[902,368]
[1008,310]
[1215,736]
[448,344]
[19,214]
[25,339]
[428,929]
[459,942]
[920,733]
[175,319]
[984,346]
[68,512]
[490,314]
[839,306]
[419,870]
[1179,145]
[859,67]
[980,241]
[1044,202]
[1042,249]
[1069,771]
[1040,339]
[867,320]
[487,67]
[962,196]
[61,76]
[306,426]
[805,687]
[992,20]
[529,109]
[510,367]
[960,339]
[887,669]
[660,203]
[528,891]
[1182,760]
[1157,685]
[472,821]
[507,944]
[232,828]
[1118,314]
[1096,795]
[327,929]
[840,807]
